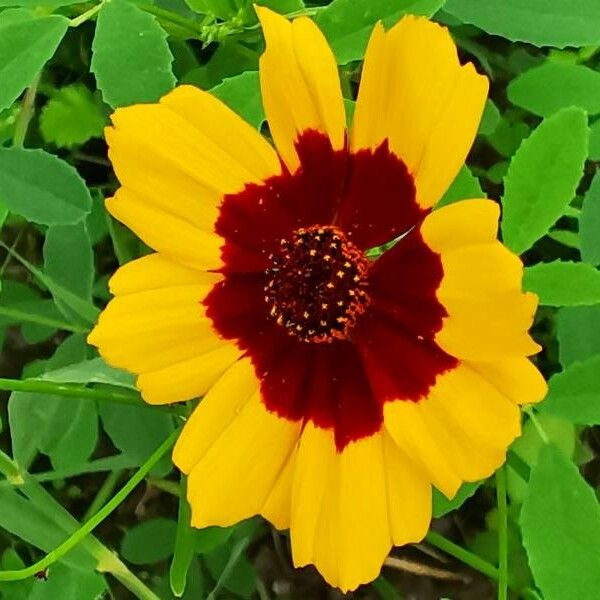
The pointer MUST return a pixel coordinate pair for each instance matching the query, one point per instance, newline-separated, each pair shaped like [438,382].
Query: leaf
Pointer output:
[69,262]
[558,23]
[72,116]
[242,94]
[578,333]
[589,223]
[490,118]
[542,178]
[552,86]
[42,188]
[560,522]
[347,24]
[594,151]
[441,504]
[209,538]
[94,370]
[131,58]
[26,44]
[574,394]
[69,584]
[149,542]
[563,283]
[33,4]
[464,187]
[184,547]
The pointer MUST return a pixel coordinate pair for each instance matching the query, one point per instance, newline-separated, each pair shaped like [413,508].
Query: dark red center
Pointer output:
[294,255]
[317,284]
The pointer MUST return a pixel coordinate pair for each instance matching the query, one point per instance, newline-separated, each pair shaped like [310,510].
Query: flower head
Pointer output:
[337,388]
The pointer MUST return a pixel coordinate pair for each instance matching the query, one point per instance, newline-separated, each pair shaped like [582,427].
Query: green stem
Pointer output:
[9,469]
[21,316]
[502,534]
[39,386]
[85,16]
[458,552]
[541,432]
[26,112]
[106,489]
[173,18]
[90,525]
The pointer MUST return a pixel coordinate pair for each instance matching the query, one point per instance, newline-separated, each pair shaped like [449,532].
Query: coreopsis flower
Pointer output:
[337,389]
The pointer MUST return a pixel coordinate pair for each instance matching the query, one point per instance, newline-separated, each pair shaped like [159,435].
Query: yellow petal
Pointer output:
[233,480]
[350,533]
[278,506]
[516,378]
[415,92]
[299,83]
[214,413]
[174,236]
[155,271]
[465,223]
[409,495]
[187,379]
[153,329]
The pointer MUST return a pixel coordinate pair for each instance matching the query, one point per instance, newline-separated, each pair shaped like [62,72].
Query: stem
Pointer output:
[458,552]
[90,525]
[170,487]
[502,534]
[106,489]
[26,112]
[20,315]
[85,16]
[9,469]
[172,17]
[39,386]
[541,432]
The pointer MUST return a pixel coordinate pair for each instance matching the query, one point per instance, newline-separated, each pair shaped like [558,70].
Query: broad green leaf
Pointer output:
[33,4]
[72,116]
[14,590]
[94,370]
[490,119]
[464,187]
[563,283]
[41,187]
[348,23]
[508,136]
[231,569]
[209,538]
[578,333]
[441,504]
[574,394]
[69,262]
[560,523]
[594,151]
[542,178]
[589,224]
[552,86]
[69,584]
[26,44]
[242,94]
[149,542]
[556,23]
[131,58]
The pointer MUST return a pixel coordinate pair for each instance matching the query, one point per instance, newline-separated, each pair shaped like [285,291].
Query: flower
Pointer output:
[337,389]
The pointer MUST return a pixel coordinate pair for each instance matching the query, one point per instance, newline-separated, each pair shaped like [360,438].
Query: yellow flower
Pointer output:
[337,389]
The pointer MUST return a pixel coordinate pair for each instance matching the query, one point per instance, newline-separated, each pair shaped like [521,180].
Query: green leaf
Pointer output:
[490,118]
[594,151]
[560,522]
[556,23]
[589,224]
[542,178]
[441,504]
[69,262]
[242,94]
[26,44]
[72,116]
[578,333]
[33,4]
[552,86]
[69,584]
[131,58]
[464,187]
[41,187]
[563,283]
[347,24]
[574,394]
[149,542]
[94,370]
[209,538]
[184,547]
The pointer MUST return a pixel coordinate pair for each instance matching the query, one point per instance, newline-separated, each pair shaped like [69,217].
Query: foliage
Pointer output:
[74,430]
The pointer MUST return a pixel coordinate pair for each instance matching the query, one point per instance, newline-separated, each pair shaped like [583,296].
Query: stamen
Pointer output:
[317,284]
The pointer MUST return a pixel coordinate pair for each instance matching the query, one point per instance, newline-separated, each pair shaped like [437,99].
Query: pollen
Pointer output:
[317,284]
